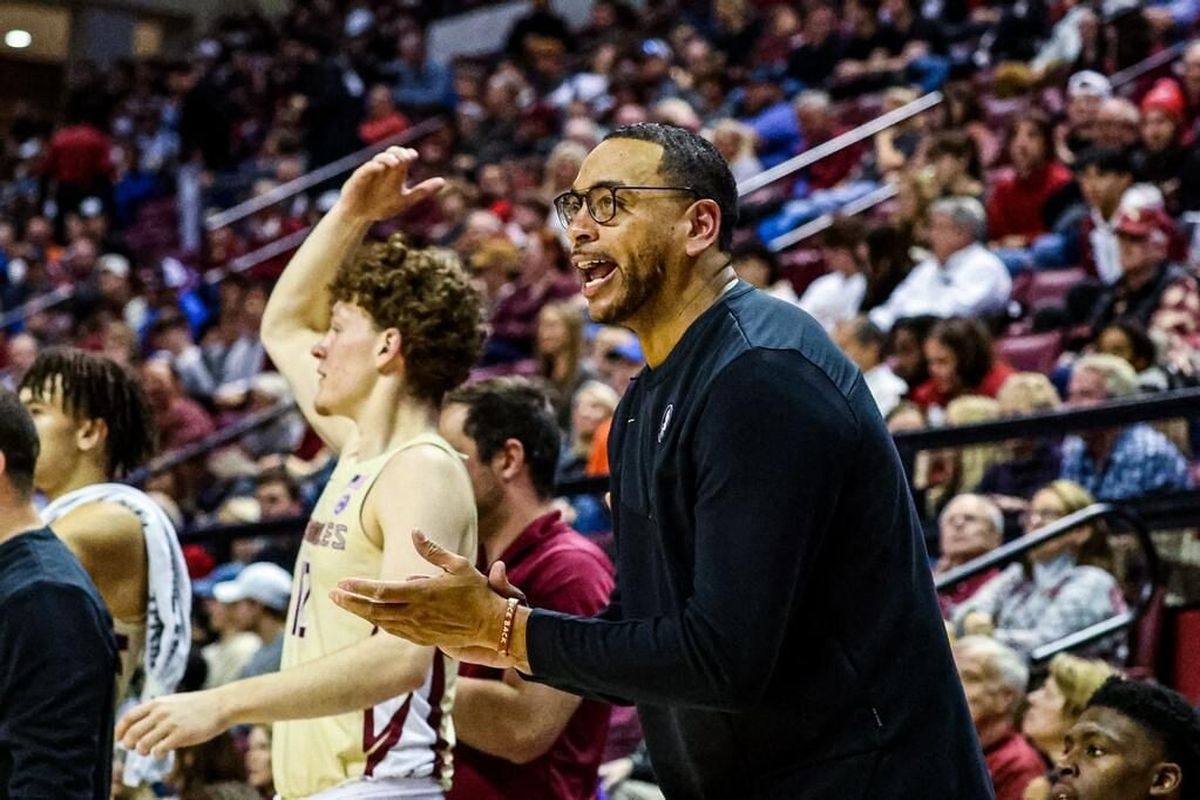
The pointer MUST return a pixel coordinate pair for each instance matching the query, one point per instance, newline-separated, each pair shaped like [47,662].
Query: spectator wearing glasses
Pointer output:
[1058,591]
[970,526]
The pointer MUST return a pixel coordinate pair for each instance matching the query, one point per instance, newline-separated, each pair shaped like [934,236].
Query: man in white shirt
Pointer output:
[836,296]
[962,278]
[863,343]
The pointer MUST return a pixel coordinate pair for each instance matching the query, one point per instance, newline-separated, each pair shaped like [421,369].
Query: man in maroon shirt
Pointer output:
[994,678]
[180,420]
[519,739]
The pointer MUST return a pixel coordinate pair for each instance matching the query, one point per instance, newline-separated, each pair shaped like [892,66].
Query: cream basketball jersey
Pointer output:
[407,736]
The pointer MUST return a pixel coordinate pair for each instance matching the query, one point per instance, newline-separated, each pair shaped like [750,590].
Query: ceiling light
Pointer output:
[18,39]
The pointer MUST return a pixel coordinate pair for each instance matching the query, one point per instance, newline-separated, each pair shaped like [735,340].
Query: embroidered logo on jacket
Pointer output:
[666,420]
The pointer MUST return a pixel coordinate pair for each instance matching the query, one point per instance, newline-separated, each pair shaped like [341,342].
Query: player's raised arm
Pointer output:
[298,313]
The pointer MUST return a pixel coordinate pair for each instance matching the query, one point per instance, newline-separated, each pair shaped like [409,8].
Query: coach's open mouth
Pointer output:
[596,271]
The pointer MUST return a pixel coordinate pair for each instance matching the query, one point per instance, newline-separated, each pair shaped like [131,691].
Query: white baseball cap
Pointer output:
[1089,83]
[267,583]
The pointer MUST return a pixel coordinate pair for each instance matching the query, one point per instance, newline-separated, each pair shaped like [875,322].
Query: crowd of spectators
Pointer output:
[1037,166]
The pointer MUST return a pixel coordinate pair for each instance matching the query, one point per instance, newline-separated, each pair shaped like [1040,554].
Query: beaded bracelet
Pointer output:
[510,616]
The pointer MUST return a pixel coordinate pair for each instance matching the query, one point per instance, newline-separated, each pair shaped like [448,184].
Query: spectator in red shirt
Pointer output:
[383,120]
[994,678]
[1017,207]
[960,360]
[818,123]
[517,738]
[544,278]
[78,161]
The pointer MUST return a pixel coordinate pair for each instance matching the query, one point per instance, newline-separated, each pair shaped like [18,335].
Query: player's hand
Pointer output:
[378,189]
[457,610]
[168,723]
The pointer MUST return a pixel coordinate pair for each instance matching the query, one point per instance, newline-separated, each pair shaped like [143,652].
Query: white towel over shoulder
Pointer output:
[168,606]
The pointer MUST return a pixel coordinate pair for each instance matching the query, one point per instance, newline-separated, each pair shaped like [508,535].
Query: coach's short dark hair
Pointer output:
[18,443]
[692,161]
[1164,714]
[513,408]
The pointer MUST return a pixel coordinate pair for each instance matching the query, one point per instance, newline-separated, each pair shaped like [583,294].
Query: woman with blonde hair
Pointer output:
[592,409]
[559,344]
[953,471]
[734,140]
[1057,705]
[1062,588]
[1030,463]
[562,165]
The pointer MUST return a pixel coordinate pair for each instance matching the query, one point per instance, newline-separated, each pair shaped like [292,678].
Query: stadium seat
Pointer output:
[1145,638]
[1034,352]
[1050,287]
[801,266]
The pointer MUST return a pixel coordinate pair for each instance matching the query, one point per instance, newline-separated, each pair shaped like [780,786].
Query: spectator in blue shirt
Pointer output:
[421,85]
[773,120]
[1117,463]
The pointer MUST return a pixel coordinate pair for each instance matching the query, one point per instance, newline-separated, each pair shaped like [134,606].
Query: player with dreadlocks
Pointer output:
[1134,741]
[95,427]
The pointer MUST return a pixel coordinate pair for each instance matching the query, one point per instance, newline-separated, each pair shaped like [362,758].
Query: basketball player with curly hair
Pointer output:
[370,338]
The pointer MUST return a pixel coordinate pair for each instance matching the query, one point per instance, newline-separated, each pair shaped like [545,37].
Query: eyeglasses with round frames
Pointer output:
[601,201]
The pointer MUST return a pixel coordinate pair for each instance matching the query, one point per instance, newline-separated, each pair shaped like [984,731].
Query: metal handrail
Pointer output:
[257,256]
[839,143]
[1007,553]
[1148,64]
[241,211]
[821,223]
[1114,413]
[223,219]
[246,424]
[37,304]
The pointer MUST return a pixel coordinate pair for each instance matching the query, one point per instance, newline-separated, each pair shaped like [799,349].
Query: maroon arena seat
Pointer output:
[1034,352]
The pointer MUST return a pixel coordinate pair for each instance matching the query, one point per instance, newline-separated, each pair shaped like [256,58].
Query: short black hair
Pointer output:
[692,161]
[958,144]
[1106,160]
[18,442]
[278,475]
[500,409]
[845,233]
[1144,349]
[96,387]
[1165,714]
[971,344]
[866,333]
[753,249]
